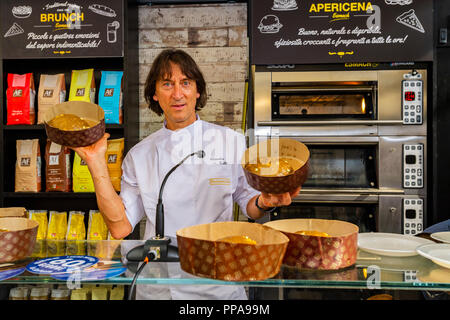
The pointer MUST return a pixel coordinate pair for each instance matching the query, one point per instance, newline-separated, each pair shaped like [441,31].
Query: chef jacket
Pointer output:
[201,190]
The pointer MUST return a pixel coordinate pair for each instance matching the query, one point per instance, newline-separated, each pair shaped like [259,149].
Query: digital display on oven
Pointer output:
[410,96]
[410,159]
[410,213]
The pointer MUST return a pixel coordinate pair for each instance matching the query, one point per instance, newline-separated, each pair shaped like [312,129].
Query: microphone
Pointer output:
[159,223]
[158,248]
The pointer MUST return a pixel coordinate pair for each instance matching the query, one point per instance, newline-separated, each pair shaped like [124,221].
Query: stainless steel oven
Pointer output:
[367,134]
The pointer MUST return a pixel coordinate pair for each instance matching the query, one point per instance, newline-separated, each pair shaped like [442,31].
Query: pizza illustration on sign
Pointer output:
[410,19]
[14,30]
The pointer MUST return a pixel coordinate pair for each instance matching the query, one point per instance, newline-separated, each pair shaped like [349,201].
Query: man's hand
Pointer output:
[94,152]
[277,200]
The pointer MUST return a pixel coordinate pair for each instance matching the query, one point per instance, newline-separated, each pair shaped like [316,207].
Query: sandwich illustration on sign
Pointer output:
[21,12]
[269,24]
[284,5]
[400,2]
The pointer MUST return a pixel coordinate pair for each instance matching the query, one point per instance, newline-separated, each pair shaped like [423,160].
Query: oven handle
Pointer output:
[328,122]
[360,191]
[329,89]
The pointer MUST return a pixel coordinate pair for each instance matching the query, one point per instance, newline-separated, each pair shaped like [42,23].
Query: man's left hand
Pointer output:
[279,199]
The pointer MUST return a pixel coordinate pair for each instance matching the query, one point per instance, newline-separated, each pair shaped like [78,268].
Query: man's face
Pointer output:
[177,97]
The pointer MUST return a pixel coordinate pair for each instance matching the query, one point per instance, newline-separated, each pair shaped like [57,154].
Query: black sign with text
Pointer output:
[48,29]
[330,31]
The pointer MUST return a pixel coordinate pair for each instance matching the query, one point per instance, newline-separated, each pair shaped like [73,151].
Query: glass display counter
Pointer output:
[369,272]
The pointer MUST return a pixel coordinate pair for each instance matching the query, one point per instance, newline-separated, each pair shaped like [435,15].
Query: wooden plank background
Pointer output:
[216,37]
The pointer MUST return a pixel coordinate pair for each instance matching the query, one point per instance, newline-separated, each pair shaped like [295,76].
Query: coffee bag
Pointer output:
[57,228]
[110,96]
[82,86]
[52,90]
[114,157]
[57,168]
[28,166]
[82,179]
[20,96]
[97,229]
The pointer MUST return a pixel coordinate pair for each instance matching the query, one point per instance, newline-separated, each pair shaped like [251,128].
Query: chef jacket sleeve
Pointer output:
[130,192]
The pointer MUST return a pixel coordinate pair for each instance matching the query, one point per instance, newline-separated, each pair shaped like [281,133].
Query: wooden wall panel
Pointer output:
[215,35]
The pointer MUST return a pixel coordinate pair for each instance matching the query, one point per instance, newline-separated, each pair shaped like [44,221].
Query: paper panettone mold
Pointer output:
[18,241]
[337,251]
[277,148]
[77,138]
[18,212]
[203,254]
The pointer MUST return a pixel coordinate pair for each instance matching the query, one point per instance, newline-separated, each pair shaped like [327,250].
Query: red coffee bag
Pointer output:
[20,96]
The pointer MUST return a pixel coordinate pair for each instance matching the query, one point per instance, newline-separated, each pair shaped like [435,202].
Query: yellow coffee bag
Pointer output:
[76,229]
[82,86]
[57,226]
[56,233]
[97,229]
[114,157]
[40,248]
[81,177]
[41,217]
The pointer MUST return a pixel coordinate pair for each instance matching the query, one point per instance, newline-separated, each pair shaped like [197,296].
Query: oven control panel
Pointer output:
[413,168]
[412,103]
[412,216]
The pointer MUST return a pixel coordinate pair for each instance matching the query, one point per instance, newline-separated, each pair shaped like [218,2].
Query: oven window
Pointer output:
[324,101]
[331,104]
[362,215]
[341,167]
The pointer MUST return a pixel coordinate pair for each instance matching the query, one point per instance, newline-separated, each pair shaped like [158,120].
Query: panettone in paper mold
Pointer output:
[17,238]
[203,254]
[336,251]
[76,138]
[292,150]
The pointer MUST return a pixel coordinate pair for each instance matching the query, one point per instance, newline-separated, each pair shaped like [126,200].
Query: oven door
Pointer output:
[371,213]
[353,166]
[324,101]
[348,181]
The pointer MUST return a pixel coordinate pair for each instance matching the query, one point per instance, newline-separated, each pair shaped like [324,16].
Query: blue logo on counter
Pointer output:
[61,264]
[10,273]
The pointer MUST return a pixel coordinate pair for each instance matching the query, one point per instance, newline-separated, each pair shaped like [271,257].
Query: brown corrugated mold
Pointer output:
[313,252]
[78,138]
[18,242]
[201,253]
[276,148]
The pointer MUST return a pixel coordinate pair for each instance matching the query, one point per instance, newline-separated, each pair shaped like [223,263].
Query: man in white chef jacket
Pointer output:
[201,190]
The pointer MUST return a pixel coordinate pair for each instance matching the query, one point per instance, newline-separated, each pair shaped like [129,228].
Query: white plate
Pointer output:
[439,253]
[390,244]
[441,236]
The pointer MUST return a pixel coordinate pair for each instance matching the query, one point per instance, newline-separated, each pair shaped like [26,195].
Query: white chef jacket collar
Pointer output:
[197,118]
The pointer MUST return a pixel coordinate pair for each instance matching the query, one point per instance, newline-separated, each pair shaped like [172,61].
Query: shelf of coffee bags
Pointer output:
[86,195]
[49,195]
[41,127]
[24,127]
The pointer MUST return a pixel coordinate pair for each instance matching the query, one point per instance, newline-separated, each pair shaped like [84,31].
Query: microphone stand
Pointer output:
[158,248]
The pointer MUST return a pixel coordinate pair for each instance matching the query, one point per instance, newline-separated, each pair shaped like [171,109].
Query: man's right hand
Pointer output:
[94,153]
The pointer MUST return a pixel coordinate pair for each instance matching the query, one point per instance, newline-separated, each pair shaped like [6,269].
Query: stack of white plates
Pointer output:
[441,236]
[439,253]
[400,245]
[390,244]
